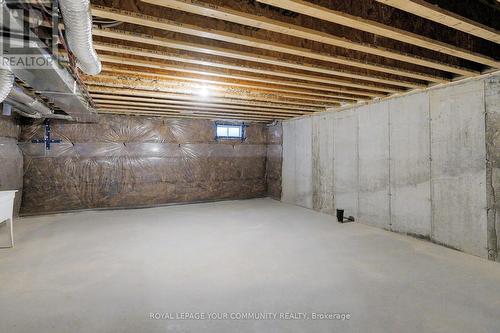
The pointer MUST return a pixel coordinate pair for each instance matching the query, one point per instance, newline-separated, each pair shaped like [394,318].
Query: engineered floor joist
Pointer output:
[293,55]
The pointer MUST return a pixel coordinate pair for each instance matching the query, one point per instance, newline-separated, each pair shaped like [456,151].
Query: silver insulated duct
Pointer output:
[78,25]
[6,80]
[19,96]
[28,106]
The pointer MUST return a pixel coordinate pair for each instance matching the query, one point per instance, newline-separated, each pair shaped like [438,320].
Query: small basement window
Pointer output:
[230,131]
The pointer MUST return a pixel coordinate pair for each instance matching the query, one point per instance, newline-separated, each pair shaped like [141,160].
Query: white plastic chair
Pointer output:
[6,212]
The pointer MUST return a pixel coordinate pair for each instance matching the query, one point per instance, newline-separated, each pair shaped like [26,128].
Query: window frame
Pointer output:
[241,127]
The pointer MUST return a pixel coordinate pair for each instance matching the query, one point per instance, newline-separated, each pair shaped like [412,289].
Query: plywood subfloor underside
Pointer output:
[106,271]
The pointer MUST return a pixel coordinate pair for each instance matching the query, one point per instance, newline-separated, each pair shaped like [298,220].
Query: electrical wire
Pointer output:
[44,9]
[111,25]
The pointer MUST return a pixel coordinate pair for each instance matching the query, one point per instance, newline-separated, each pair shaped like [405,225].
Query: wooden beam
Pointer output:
[148,53]
[271,25]
[326,14]
[229,53]
[321,90]
[242,109]
[218,112]
[442,16]
[179,115]
[214,91]
[284,92]
[151,91]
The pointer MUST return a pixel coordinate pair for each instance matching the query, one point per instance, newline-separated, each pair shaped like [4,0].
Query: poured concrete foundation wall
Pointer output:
[410,170]
[374,171]
[345,164]
[458,167]
[274,160]
[11,159]
[322,158]
[492,96]
[297,162]
[127,162]
[414,164]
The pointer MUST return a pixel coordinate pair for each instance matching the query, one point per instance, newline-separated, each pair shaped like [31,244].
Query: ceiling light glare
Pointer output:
[204,91]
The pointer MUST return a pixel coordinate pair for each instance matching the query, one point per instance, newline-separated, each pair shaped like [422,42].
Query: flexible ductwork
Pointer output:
[6,80]
[28,106]
[23,110]
[27,111]
[19,96]
[59,116]
[78,25]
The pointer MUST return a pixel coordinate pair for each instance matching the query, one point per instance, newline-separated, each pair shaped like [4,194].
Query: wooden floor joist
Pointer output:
[177,98]
[199,91]
[267,24]
[241,109]
[145,83]
[212,111]
[216,90]
[442,16]
[261,22]
[256,63]
[176,114]
[208,105]
[133,99]
[209,112]
[173,115]
[171,43]
[253,78]
[318,55]
[186,116]
[149,91]
[283,91]
[323,13]
[191,59]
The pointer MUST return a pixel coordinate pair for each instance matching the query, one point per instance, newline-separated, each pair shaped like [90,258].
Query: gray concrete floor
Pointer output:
[107,271]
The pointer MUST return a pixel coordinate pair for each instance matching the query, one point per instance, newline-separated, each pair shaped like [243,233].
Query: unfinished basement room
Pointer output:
[250,166]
